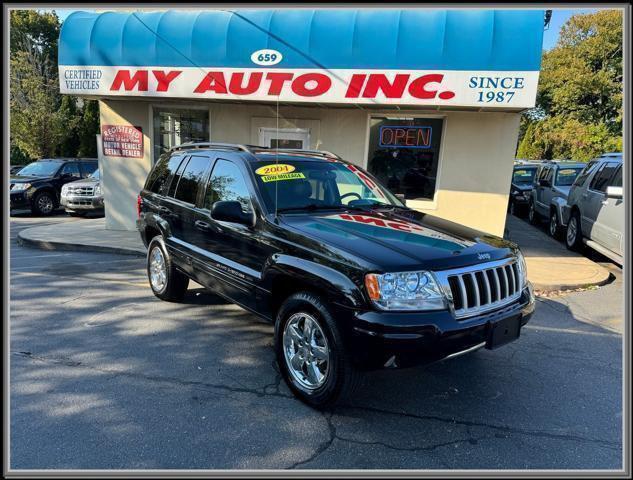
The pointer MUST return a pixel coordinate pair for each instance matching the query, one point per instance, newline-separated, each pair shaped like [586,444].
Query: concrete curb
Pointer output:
[568,286]
[24,239]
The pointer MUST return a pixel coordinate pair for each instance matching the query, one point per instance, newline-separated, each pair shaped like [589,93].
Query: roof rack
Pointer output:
[226,146]
[322,153]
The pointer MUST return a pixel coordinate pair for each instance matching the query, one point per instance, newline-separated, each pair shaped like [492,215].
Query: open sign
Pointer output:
[405,137]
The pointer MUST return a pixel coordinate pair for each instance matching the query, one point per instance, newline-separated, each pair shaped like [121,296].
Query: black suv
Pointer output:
[38,185]
[351,278]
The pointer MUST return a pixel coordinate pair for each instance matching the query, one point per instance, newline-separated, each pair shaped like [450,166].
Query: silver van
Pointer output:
[595,208]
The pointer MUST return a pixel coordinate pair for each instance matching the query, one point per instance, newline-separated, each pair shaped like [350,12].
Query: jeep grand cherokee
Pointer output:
[351,277]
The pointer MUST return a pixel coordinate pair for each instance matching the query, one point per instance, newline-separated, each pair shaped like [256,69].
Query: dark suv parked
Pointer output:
[38,185]
[351,278]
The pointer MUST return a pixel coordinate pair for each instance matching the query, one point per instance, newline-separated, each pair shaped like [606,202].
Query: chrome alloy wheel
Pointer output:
[306,351]
[572,231]
[45,204]
[157,270]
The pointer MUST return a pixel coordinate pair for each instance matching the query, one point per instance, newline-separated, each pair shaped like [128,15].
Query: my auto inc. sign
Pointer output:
[402,87]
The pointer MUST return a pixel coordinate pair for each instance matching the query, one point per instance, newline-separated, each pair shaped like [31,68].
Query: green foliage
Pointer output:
[88,129]
[579,101]
[18,157]
[43,122]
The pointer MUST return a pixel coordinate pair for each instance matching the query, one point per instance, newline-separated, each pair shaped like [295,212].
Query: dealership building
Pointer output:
[426,100]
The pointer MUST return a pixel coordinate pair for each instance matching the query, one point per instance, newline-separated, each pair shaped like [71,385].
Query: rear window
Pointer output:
[158,179]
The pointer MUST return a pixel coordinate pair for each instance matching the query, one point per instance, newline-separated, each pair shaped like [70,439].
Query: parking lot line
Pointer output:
[573,331]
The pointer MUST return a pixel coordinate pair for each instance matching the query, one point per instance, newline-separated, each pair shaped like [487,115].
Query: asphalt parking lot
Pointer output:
[106,376]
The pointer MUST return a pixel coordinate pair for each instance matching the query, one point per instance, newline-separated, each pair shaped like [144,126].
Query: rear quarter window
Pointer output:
[158,179]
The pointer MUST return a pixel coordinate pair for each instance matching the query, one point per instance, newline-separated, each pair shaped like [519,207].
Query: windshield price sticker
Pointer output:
[275,169]
[567,171]
[282,176]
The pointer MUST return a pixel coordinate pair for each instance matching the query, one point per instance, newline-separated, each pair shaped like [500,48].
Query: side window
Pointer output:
[580,179]
[176,177]
[158,179]
[549,175]
[543,173]
[602,178]
[617,178]
[72,169]
[227,184]
[192,176]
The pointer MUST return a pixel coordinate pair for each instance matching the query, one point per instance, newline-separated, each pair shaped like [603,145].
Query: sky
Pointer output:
[550,36]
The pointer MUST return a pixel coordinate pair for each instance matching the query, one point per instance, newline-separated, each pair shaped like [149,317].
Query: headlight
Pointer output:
[97,190]
[18,187]
[405,291]
[64,189]
[522,266]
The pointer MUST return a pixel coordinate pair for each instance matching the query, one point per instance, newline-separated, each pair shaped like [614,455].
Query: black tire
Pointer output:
[342,377]
[533,217]
[175,285]
[553,228]
[573,241]
[44,203]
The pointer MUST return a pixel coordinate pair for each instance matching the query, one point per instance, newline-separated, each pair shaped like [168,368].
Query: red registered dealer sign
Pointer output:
[122,141]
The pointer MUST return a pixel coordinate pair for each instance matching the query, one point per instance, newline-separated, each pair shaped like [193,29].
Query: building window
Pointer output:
[404,154]
[174,127]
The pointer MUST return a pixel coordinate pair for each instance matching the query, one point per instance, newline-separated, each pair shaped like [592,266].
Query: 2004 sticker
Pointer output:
[275,169]
[282,176]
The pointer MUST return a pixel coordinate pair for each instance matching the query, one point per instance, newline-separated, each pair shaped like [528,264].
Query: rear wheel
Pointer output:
[573,235]
[166,281]
[310,352]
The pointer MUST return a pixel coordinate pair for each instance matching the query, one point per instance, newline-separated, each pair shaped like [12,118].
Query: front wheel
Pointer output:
[554,225]
[573,236]
[532,215]
[166,281]
[43,204]
[310,352]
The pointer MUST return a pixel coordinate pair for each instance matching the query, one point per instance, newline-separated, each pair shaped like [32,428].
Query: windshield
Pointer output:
[95,174]
[319,185]
[40,169]
[566,176]
[523,176]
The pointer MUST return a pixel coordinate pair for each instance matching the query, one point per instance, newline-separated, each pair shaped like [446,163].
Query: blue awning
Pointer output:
[416,39]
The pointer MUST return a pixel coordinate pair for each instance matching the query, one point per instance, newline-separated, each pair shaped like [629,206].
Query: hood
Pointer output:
[563,191]
[83,181]
[25,179]
[403,239]
[524,187]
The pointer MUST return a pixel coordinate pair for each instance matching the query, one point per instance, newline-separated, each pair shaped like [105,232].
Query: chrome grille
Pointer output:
[86,191]
[482,288]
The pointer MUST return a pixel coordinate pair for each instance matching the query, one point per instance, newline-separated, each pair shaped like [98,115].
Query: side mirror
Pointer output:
[231,211]
[401,197]
[614,192]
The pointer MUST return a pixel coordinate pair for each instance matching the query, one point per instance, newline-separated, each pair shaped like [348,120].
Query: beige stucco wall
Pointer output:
[475,157]
[123,178]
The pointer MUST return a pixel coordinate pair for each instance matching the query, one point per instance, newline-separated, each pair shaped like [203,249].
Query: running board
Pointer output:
[604,251]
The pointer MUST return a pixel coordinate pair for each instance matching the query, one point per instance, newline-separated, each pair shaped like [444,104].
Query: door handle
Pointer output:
[585,195]
[204,226]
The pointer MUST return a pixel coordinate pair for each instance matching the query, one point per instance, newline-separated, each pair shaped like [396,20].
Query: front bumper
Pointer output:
[402,339]
[520,200]
[79,202]
[19,199]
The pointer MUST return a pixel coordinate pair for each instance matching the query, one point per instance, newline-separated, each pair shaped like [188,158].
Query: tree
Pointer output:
[43,122]
[88,129]
[579,101]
